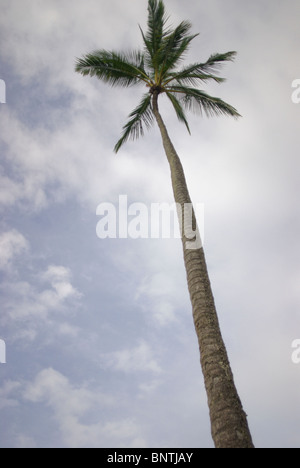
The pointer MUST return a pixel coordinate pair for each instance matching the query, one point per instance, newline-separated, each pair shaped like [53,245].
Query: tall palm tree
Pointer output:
[158,67]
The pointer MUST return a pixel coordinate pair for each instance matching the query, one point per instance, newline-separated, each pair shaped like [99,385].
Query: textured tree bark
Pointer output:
[229,424]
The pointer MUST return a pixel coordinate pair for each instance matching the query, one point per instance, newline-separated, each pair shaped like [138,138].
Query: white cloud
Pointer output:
[138,359]
[10,191]
[68,329]
[59,277]
[12,244]
[72,406]
[162,293]
[24,442]
[57,145]
[27,305]
[39,28]
[8,394]
[74,159]
[149,388]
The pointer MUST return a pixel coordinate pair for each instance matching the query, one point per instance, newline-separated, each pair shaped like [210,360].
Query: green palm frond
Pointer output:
[113,67]
[142,114]
[155,32]
[179,110]
[191,75]
[174,46]
[215,61]
[157,67]
[200,102]
[200,72]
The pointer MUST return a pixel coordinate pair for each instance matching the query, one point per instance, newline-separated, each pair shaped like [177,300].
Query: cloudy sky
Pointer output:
[101,349]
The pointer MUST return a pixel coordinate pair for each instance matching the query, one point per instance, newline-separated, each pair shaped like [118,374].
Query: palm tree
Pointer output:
[158,67]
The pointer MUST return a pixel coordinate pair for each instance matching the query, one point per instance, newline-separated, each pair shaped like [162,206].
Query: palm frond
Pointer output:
[179,110]
[174,47]
[142,114]
[200,72]
[113,67]
[157,67]
[191,75]
[215,61]
[155,32]
[199,101]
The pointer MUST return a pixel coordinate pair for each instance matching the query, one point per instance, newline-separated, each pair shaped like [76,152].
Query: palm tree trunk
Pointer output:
[228,420]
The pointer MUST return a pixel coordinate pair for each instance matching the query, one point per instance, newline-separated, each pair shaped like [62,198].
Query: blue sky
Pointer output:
[101,349]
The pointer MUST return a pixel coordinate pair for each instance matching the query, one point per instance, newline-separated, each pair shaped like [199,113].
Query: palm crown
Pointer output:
[157,66]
